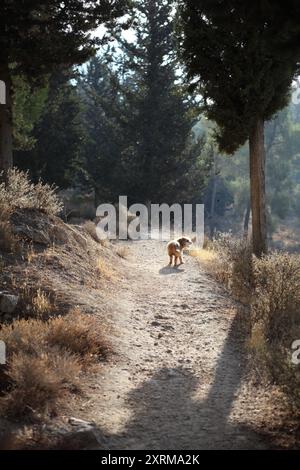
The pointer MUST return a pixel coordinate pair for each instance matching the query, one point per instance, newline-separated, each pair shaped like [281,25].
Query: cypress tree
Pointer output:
[242,58]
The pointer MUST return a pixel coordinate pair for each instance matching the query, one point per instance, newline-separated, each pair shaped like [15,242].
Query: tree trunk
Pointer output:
[257,185]
[6,153]
[213,198]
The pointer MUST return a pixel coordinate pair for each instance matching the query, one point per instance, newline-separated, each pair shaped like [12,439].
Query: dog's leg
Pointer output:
[171,260]
[181,259]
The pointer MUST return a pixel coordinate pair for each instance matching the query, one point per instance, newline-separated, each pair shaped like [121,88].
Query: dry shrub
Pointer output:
[207,243]
[122,251]
[277,293]
[19,192]
[45,199]
[229,260]
[271,287]
[45,360]
[235,258]
[40,383]
[206,257]
[41,303]
[104,270]
[275,315]
[104,242]
[90,228]
[26,336]
[34,302]
[8,241]
[79,334]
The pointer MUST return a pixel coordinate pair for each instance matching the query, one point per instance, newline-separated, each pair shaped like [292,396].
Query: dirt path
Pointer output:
[176,381]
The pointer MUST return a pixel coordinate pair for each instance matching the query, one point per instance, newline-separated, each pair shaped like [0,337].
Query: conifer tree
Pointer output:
[37,37]
[161,162]
[242,58]
[102,118]
[59,135]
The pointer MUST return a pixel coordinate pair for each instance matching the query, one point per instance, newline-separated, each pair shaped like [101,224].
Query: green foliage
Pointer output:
[38,35]
[282,141]
[161,161]
[59,135]
[139,117]
[27,109]
[102,117]
[242,56]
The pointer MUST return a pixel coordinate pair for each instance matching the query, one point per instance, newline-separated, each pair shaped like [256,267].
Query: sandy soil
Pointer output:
[177,378]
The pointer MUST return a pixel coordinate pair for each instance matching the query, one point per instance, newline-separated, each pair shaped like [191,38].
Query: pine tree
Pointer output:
[102,116]
[59,135]
[37,37]
[161,162]
[28,105]
[242,57]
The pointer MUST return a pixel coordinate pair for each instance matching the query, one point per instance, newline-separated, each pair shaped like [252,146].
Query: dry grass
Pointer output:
[46,360]
[31,255]
[19,192]
[8,241]
[122,251]
[275,318]
[229,260]
[79,334]
[104,242]
[33,302]
[41,303]
[90,228]
[39,384]
[203,255]
[270,286]
[104,270]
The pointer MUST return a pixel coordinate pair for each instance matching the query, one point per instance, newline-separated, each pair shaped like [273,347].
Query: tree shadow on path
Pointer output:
[166,413]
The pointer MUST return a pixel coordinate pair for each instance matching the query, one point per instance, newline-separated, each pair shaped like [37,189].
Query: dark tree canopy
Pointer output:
[159,164]
[59,135]
[243,56]
[102,117]
[38,35]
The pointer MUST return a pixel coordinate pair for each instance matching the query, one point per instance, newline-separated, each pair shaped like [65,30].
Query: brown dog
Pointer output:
[175,248]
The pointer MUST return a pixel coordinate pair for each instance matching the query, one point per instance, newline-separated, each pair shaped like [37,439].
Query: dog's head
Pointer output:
[184,242]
